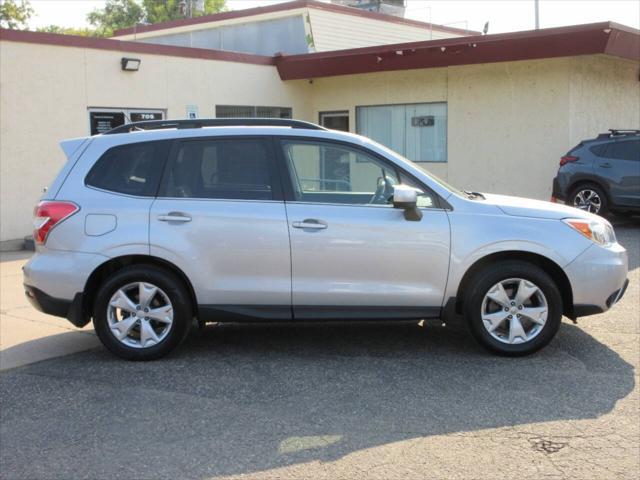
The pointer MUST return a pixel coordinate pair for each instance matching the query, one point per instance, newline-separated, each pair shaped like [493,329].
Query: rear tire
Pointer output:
[591,198]
[142,312]
[509,325]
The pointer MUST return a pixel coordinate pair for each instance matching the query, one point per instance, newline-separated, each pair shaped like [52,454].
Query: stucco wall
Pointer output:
[45,92]
[605,93]
[508,123]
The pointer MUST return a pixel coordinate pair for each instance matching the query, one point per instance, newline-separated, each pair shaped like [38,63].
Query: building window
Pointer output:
[245,111]
[335,120]
[418,131]
[102,120]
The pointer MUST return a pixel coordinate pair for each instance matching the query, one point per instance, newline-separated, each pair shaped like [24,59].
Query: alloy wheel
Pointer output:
[140,315]
[588,200]
[514,311]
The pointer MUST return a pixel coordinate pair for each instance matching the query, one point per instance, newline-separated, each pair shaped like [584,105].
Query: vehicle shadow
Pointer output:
[46,347]
[239,399]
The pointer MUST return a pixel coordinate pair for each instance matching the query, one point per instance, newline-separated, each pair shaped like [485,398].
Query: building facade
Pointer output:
[488,113]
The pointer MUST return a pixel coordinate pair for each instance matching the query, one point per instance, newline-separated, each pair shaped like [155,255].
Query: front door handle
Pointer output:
[175,217]
[311,224]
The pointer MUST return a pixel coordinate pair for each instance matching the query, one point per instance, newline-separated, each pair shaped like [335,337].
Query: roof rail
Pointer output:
[616,132]
[213,122]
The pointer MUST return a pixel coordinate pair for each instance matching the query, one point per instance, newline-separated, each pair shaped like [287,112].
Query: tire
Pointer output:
[477,304]
[584,191]
[143,338]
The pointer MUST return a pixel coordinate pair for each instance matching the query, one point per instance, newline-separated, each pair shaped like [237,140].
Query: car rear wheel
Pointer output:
[142,313]
[590,198]
[513,308]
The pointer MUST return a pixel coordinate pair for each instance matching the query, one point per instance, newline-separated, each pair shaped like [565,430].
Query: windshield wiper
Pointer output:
[473,195]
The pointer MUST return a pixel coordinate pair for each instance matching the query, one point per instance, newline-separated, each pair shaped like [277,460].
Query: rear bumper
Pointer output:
[598,279]
[58,307]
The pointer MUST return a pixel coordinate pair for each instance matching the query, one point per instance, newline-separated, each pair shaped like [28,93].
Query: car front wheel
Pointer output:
[513,308]
[142,313]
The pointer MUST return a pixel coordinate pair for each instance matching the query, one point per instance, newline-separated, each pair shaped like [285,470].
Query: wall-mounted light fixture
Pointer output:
[130,64]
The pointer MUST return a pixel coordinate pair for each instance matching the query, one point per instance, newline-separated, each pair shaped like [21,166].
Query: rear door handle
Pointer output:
[311,224]
[605,165]
[175,217]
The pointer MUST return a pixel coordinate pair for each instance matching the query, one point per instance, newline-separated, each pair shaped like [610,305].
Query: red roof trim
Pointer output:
[249,12]
[607,38]
[130,47]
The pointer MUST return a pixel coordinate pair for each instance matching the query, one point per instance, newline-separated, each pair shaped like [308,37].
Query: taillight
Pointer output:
[567,158]
[48,214]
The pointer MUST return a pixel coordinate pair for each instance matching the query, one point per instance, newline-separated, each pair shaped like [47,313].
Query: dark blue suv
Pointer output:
[602,175]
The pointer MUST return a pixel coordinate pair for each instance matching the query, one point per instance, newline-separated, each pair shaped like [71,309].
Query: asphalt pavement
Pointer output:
[337,401]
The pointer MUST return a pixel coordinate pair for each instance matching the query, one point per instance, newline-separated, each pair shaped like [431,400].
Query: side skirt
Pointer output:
[284,313]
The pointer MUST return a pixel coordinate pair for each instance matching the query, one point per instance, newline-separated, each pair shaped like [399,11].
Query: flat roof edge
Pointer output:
[597,38]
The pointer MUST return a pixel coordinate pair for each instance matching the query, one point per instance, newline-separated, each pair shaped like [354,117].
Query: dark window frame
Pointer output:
[151,187]
[336,113]
[272,165]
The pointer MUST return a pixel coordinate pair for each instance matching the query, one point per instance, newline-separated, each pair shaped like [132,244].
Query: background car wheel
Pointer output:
[591,198]
[513,308]
[142,312]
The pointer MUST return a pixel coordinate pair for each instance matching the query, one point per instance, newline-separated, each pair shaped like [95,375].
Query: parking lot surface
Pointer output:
[330,401]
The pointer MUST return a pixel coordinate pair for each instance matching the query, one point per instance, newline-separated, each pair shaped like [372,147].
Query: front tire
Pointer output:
[513,308]
[142,312]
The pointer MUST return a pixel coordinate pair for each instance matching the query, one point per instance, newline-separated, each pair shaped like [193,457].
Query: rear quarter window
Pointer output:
[599,150]
[132,169]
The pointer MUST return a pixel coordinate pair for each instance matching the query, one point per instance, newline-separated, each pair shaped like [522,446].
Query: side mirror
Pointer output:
[406,198]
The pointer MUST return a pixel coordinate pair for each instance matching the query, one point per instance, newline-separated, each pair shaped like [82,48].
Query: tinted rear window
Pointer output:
[221,168]
[133,169]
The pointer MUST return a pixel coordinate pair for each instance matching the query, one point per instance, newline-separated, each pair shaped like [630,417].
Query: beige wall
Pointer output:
[508,123]
[45,91]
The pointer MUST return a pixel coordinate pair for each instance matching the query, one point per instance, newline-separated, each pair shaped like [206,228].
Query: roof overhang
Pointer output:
[597,38]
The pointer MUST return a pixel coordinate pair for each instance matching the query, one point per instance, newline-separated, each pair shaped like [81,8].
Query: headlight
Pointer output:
[600,232]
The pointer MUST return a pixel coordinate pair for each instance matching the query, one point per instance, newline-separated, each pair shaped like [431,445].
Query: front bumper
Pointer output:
[58,307]
[598,279]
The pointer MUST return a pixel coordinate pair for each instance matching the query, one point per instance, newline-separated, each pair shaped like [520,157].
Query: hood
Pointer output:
[526,207]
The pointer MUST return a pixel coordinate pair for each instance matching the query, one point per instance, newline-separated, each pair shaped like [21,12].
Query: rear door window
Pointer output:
[239,168]
[132,169]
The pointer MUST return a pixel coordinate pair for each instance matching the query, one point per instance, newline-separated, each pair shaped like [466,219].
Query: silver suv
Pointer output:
[155,224]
